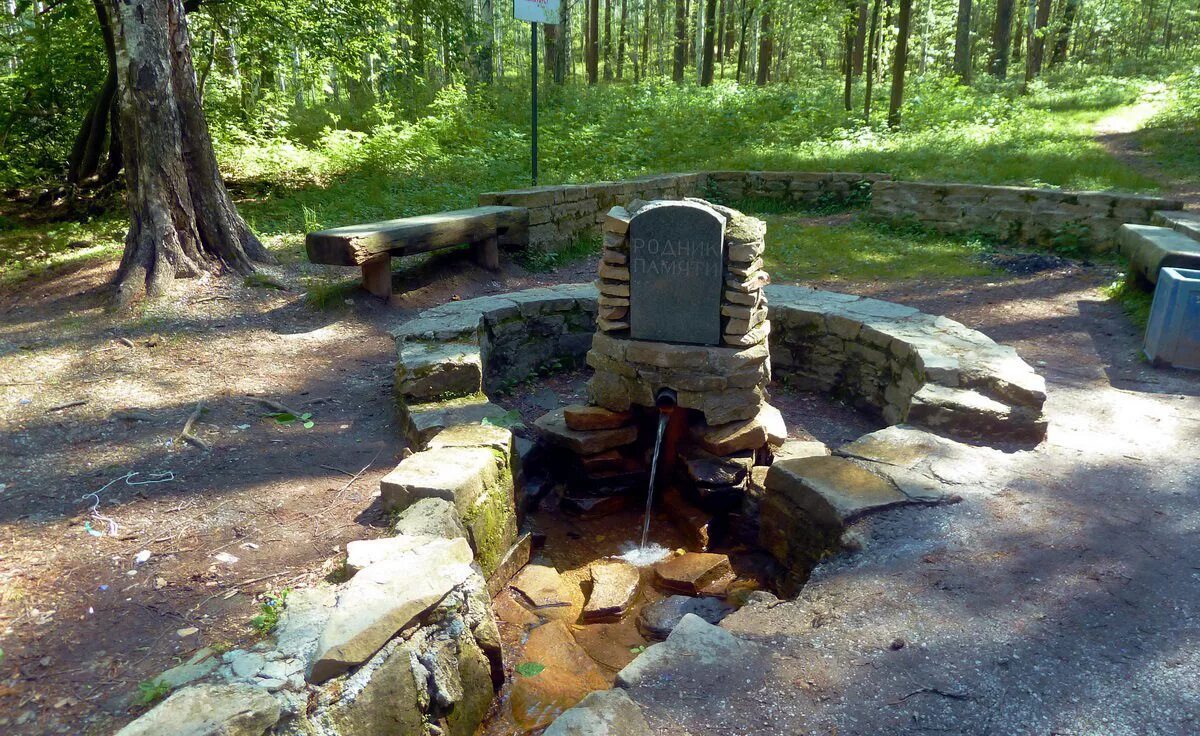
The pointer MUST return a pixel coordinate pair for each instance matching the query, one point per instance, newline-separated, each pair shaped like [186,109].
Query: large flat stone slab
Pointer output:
[566,676]
[456,474]
[831,491]
[553,428]
[209,710]
[583,418]
[384,598]
[693,643]
[603,713]
[614,588]
[692,572]
[548,593]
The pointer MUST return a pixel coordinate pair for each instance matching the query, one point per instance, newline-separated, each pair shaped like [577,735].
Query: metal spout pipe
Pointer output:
[665,399]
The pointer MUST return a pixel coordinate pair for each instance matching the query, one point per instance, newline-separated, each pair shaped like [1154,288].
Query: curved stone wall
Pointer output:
[909,366]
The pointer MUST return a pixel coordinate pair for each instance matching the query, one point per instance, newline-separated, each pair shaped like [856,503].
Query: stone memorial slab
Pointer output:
[676,267]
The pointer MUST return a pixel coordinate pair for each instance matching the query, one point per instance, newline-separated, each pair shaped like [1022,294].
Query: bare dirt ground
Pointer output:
[89,397]
[1061,596]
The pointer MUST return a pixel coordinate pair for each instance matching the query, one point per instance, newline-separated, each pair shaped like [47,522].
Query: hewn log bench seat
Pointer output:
[1150,248]
[371,246]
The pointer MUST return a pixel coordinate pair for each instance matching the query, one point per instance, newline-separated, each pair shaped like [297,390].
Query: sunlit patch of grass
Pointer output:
[861,251]
[29,251]
[1135,301]
[326,295]
[544,261]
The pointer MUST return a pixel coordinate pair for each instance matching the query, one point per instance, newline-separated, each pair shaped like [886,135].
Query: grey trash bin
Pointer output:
[1173,334]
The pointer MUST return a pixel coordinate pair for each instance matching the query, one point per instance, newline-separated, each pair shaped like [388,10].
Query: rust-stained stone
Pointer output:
[582,418]
[553,428]
[691,572]
[614,588]
[569,674]
[548,594]
[692,522]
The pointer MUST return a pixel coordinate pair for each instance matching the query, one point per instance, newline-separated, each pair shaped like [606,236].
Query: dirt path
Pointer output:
[1120,133]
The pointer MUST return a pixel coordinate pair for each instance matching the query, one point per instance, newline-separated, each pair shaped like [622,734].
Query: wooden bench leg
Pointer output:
[377,277]
[487,253]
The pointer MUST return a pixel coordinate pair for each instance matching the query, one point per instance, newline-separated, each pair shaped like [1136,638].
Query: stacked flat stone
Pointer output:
[726,383]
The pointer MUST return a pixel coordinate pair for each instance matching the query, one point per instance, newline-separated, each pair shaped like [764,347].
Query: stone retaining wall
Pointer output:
[909,366]
[1088,221]
[560,214]
[1084,221]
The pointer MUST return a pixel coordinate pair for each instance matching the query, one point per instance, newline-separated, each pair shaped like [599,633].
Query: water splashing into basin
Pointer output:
[663,418]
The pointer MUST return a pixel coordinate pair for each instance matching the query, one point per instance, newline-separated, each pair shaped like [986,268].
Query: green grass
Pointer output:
[272,607]
[474,141]
[544,261]
[1134,300]
[861,251]
[151,691]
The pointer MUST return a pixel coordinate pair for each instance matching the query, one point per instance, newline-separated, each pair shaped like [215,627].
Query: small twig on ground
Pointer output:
[931,691]
[68,405]
[346,473]
[358,475]
[186,434]
[277,407]
[210,299]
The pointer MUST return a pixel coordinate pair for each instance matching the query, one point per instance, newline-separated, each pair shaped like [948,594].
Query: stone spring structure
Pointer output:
[408,643]
[682,320]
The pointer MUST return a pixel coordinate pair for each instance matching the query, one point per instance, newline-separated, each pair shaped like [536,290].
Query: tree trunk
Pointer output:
[1001,37]
[563,39]
[850,34]
[872,41]
[710,37]
[608,72]
[1037,41]
[860,37]
[680,58]
[766,45]
[84,159]
[621,35]
[183,221]
[593,48]
[741,57]
[962,42]
[1062,41]
[900,62]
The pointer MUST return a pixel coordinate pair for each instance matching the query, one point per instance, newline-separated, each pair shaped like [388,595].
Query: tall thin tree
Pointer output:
[872,58]
[1001,38]
[680,58]
[710,37]
[766,43]
[593,42]
[900,63]
[962,42]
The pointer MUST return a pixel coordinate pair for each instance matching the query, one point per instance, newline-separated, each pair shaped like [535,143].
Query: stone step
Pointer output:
[1187,223]
[1151,247]
[967,414]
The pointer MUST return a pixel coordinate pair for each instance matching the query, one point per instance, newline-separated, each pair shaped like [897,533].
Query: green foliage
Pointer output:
[507,420]
[862,251]
[269,611]
[544,261]
[1071,240]
[150,692]
[1135,301]
[530,669]
[325,295]
[1173,135]
[261,280]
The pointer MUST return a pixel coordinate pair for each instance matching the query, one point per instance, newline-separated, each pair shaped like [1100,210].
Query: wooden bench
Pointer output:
[373,245]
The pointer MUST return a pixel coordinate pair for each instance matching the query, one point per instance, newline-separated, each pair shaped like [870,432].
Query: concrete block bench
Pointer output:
[372,246]
[1151,247]
[1187,223]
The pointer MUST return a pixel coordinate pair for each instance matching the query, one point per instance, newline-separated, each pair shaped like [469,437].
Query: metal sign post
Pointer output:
[534,69]
[535,11]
